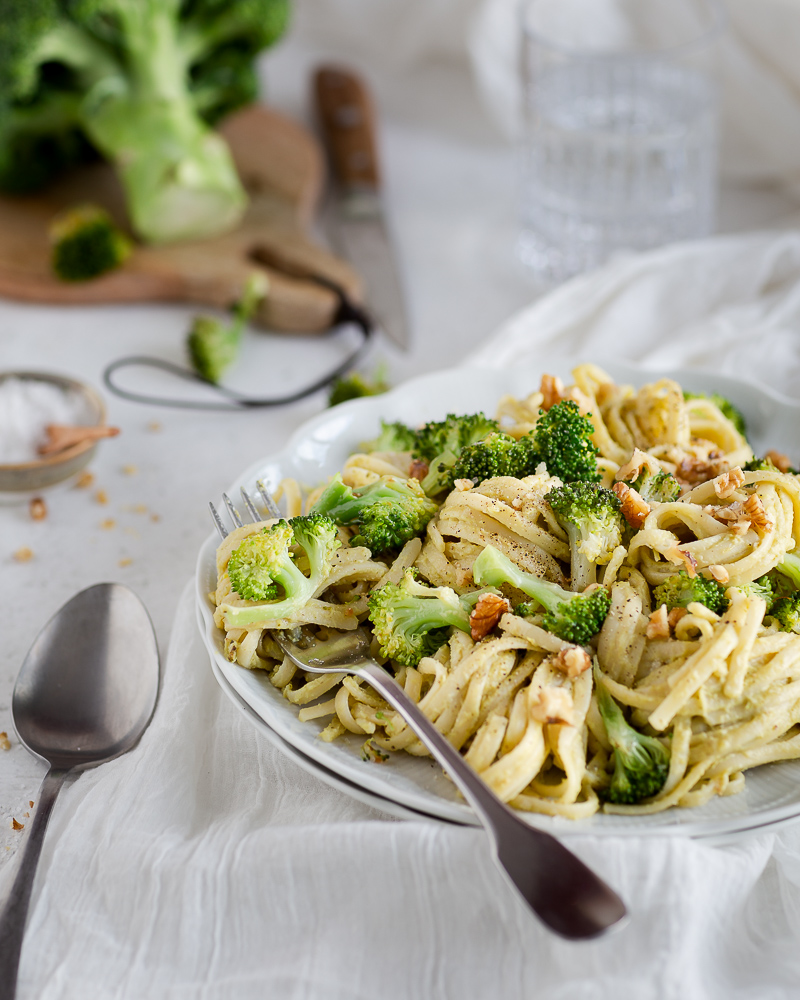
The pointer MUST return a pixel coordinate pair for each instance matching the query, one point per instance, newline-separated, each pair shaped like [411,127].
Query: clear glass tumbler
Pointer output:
[620,142]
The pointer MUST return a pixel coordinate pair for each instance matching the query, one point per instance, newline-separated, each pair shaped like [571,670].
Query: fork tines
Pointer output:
[235,516]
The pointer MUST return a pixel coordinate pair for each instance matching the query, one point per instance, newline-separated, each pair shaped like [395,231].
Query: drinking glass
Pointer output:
[620,141]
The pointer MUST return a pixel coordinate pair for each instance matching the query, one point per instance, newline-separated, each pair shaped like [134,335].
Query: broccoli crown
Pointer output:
[394,436]
[681,590]
[658,487]
[356,385]
[411,620]
[591,516]
[387,512]
[440,444]
[571,616]
[86,243]
[786,612]
[213,344]
[263,568]
[497,455]
[763,587]
[760,465]
[563,438]
[725,406]
[641,763]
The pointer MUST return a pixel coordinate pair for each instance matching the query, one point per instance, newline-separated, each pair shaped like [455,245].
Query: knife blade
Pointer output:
[347,118]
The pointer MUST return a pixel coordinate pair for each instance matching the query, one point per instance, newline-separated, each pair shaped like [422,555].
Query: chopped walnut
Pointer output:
[733,515]
[719,573]
[24,554]
[554,705]
[754,509]
[15,825]
[486,614]
[728,482]
[101,496]
[781,462]
[418,469]
[5,742]
[675,616]
[634,465]
[692,471]
[658,625]
[108,523]
[634,507]
[677,555]
[463,485]
[552,390]
[84,480]
[572,660]
[37,509]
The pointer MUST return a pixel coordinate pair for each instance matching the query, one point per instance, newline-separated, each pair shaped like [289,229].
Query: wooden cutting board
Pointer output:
[283,170]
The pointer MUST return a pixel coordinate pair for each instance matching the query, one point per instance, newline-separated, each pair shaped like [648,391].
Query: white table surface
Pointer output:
[450,182]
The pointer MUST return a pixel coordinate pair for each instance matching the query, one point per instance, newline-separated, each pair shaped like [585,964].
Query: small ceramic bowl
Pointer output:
[90,410]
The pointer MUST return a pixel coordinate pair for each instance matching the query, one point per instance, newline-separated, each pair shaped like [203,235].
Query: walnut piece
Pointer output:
[781,462]
[634,507]
[728,482]
[24,554]
[5,742]
[572,661]
[692,471]
[675,616]
[554,705]
[677,555]
[463,485]
[631,469]
[552,390]
[15,825]
[733,515]
[486,614]
[658,625]
[719,573]
[37,509]
[418,469]
[754,509]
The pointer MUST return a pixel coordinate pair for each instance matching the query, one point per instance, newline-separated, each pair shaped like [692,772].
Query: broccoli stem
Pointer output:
[789,566]
[494,569]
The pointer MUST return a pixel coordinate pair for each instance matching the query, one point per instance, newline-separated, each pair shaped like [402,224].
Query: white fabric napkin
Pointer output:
[205,864]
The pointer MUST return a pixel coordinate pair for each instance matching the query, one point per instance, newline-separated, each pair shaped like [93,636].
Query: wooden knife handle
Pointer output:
[347,118]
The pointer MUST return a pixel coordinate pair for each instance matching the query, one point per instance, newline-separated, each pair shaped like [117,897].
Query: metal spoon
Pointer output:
[84,695]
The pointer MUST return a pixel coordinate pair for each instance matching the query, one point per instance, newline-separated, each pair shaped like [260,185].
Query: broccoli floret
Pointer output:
[387,512]
[760,465]
[657,487]
[786,612]
[135,81]
[213,344]
[411,620]
[789,567]
[497,455]
[641,763]
[394,436]
[725,406]
[86,243]
[563,438]
[572,617]
[763,587]
[681,590]
[263,568]
[591,516]
[355,385]
[441,442]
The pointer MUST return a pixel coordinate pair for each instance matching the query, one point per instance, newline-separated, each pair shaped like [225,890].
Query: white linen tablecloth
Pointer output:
[205,864]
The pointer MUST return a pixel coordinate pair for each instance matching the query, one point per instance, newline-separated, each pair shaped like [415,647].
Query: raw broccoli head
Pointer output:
[657,487]
[411,620]
[387,512]
[214,344]
[725,406]
[263,567]
[563,438]
[356,385]
[592,518]
[86,243]
[440,443]
[571,616]
[137,83]
[786,612]
[641,763]
[497,455]
[681,590]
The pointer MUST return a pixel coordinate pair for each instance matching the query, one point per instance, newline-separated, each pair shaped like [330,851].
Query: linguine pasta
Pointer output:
[722,691]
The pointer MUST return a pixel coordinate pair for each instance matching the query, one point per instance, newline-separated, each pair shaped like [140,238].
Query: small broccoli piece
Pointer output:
[641,763]
[387,512]
[657,487]
[725,406]
[763,587]
[411,620]
[394,436]
[563,438]
[497,455]
[591,516]
[572,617]
[356,385]
[85,243]
[789,567]
[213,345]
[760,465]
[786,612]
[681,590]
[264,561]
[440,444]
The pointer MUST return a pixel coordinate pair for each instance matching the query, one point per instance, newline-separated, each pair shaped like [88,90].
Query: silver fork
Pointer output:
[566,895]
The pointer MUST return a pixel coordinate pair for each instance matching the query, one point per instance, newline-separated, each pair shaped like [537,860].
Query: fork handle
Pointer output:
[566,895]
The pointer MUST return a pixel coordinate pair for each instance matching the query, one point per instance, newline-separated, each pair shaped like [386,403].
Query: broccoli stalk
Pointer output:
[387,512]
[681,590]
[591,516]
[262,568]
[572,617]
[213,345]
[139,80]
[563,440]
[86,243]
[411,620]
[641,763]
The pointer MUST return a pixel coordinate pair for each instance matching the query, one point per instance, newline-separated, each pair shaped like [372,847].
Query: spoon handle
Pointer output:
[15,911]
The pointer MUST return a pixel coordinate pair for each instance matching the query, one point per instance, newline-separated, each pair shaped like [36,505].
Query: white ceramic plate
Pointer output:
[319,449]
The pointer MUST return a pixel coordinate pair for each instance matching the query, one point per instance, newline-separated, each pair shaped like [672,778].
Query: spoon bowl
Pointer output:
[84,695]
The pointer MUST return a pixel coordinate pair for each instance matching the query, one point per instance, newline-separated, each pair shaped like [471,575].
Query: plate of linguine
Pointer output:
[712,682]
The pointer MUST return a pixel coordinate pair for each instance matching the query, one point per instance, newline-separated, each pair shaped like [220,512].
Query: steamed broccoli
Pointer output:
[411,620]
[262,568]
[789,567]
[681,590]
[394,436]
[85,243]
[641,763]
[137,82]
[763,587]
[355,385]
[563,439]
[760,465]
[591,517]
[213,345]
[441,442]
[497,455]
[387,512]
[725,406]
[572,617]
[786,612]
[657,487]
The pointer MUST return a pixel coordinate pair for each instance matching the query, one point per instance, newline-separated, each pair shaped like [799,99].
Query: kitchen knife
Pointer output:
[347,119]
